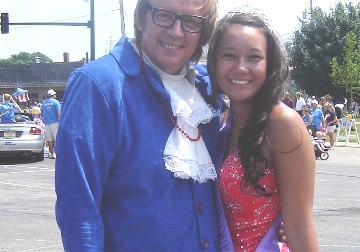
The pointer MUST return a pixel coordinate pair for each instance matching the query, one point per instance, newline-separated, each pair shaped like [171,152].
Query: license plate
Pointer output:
[9,134]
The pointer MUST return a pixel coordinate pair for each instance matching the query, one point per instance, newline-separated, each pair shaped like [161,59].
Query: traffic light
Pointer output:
[4,23]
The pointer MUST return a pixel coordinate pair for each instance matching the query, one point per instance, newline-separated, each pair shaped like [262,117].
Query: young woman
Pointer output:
[268,164]
[330,123]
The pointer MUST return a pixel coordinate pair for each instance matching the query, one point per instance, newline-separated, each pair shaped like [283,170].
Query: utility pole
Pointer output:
[305,13]
[92,30]
[122,17]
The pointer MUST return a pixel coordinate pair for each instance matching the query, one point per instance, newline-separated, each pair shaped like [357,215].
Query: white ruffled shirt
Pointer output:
[186,159]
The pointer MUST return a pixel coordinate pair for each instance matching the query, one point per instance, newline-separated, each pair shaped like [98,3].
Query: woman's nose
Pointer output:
[242,66]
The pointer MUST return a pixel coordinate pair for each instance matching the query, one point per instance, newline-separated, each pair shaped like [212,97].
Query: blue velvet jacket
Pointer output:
[113,190]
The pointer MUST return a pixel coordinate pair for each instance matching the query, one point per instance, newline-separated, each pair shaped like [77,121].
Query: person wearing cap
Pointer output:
[50,111]
[317,115]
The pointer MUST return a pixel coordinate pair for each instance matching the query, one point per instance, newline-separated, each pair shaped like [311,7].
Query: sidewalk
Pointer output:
[350,144]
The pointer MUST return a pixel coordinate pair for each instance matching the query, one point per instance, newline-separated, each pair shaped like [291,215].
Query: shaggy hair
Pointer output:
[253,133]
[209,10]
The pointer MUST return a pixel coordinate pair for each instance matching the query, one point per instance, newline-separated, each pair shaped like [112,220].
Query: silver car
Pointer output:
[26,138]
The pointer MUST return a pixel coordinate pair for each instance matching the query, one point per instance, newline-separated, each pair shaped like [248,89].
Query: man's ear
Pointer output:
[140,26]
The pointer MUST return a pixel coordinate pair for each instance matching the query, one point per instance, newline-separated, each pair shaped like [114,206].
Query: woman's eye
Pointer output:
[255,57]
[228,56]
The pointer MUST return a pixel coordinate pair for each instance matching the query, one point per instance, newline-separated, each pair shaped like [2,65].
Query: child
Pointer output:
[317,141]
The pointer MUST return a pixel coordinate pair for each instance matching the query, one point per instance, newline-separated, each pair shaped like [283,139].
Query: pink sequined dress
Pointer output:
[249,215]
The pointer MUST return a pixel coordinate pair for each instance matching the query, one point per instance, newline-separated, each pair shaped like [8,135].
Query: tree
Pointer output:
[317,42]
[347,73]
[26,58]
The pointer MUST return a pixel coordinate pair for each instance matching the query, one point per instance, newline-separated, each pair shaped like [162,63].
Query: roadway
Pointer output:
[27,203]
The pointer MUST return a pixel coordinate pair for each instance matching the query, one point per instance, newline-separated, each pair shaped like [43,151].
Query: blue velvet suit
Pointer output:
[113,190]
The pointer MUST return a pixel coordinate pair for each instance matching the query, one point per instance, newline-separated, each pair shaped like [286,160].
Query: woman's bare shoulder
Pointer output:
[285,130]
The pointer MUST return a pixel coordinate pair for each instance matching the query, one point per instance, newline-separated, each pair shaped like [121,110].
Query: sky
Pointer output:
[53,41]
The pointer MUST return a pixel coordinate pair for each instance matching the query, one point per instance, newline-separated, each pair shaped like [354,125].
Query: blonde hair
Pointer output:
[7,97]
[209,10]
[318,133]
[329,104]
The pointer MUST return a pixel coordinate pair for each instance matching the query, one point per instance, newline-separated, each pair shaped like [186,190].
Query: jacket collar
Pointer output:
[126,57]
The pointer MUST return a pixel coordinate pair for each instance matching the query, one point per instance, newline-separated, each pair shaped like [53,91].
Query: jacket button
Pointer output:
[199,207]
[205,244]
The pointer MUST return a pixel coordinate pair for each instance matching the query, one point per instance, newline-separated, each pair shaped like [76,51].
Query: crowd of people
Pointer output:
[46,114]
[320,115]
[141,162]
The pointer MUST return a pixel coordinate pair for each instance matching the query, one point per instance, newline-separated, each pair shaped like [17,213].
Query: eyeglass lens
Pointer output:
[165,18]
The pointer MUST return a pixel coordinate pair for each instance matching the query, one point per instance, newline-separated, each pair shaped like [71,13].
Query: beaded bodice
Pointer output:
[249,215]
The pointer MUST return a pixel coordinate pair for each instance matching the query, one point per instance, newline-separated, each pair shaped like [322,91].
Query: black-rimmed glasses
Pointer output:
[165,18]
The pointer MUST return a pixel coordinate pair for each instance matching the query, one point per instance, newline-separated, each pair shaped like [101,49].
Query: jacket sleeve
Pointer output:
[85,148]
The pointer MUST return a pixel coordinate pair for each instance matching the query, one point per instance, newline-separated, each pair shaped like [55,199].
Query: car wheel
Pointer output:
[39,156]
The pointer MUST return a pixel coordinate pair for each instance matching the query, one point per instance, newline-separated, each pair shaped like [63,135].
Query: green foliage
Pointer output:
[347,73]
[26,58]
[317,42]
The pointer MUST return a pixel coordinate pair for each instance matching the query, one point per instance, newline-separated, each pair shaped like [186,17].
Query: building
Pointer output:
[37,78]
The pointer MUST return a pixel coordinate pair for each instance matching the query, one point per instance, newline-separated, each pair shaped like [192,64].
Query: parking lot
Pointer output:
[27,203]
[27,206]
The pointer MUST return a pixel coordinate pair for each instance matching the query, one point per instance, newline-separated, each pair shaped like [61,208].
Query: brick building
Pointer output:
[37,78]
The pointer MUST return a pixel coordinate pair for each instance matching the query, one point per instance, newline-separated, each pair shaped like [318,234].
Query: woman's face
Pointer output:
[241,62]
[170,48]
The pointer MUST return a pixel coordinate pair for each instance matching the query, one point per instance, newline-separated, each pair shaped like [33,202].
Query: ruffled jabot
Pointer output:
[185,158]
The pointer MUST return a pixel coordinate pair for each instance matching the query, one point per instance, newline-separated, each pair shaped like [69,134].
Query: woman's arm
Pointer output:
[291,154]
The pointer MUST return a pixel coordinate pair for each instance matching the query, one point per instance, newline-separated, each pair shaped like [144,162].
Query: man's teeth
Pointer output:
[240,82]
[171,46]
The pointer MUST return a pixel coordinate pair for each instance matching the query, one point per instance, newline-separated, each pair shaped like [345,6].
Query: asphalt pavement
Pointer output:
[27,198]
[337,200]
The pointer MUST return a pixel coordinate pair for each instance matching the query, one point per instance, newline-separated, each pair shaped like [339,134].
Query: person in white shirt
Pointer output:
[300,103]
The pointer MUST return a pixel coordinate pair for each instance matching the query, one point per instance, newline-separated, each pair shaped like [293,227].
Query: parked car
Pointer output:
[24,137]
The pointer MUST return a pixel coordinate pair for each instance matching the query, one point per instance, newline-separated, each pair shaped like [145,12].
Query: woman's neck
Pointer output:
[240,114]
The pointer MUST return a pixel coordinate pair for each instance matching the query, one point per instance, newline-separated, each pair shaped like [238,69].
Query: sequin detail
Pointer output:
[249,215]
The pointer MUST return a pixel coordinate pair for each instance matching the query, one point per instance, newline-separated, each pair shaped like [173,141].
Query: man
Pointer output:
[317,115]
[288,101]
[114,189]
[50,111]
[300,103]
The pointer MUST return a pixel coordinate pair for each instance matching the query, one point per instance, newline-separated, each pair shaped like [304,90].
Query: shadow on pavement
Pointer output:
[10,160]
